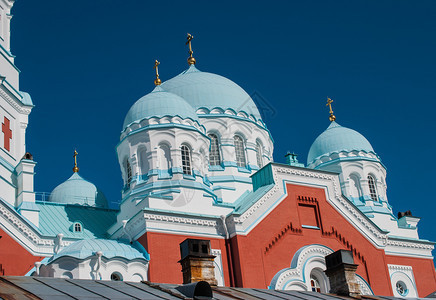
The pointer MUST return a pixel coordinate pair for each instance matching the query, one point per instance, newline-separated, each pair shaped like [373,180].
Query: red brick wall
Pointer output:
[164,253]
[14,259]
[271,245]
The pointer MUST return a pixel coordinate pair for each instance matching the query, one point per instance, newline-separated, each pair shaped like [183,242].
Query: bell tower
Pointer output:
[16,166]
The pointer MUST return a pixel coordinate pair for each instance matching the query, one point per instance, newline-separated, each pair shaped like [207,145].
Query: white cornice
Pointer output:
[14,101]
[20,230]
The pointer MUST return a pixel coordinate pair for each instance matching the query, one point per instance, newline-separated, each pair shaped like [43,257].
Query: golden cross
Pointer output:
[75,169]
[329,104]
[188,42]
[191,60]
[157,81]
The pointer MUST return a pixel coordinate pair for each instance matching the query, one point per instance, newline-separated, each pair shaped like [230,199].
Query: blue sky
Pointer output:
[85,63]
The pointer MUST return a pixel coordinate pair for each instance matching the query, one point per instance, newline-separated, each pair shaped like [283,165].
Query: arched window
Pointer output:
[372,188]
[128,169]
[214,154]
[259,154]
[186,160]
[239,151]
[318,281]
[77,227]
[115,276]
[143,161]
[314,284]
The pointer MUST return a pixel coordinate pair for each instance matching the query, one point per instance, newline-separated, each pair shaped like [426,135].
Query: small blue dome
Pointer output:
[77,190]
[159,104]
[336,139]
[202,89]
[85,248]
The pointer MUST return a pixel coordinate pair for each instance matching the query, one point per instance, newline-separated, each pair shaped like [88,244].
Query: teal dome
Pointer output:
[207,90]
[110,248]
[336,139]
[159,104]
[77,190]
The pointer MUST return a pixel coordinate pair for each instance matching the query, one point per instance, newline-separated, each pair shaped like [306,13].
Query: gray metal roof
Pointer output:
[19,287]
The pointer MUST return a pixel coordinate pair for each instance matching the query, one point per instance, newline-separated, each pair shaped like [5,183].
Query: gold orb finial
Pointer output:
[76,168]
[157,81]
[191,59]
[329,104]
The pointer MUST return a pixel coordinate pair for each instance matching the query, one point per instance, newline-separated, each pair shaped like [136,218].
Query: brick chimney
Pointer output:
[341,272]
[197,261]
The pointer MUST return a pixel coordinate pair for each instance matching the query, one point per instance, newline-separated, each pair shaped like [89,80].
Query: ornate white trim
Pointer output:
[260,202]
[407,244]
[181,220]
[404,274]
[24,234]
[338,196]
[20,108]
[131,128]
[308,257]
[402,268]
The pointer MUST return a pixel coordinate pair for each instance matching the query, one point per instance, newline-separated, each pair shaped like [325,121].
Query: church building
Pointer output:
[196,160]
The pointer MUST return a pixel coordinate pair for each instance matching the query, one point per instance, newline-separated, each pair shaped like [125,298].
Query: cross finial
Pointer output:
[329,104]
[191,60]
[75,169]
[157,81]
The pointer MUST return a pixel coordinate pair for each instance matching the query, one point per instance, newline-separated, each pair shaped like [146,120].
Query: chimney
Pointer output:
[291,159]
[341,272]
[197,261]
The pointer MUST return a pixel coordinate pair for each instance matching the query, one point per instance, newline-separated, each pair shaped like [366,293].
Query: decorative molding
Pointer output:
[148,123]
[30,237]
[346,243]
[181,220]
[355,212]
[343,155]
[399,268]
[260,202]
[407,244]
[365,289]
[21,109]
[299,262]
[278,237]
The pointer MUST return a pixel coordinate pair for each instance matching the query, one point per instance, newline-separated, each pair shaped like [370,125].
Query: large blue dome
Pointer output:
[336,139]
[207,90]
[159,104]
[77,190]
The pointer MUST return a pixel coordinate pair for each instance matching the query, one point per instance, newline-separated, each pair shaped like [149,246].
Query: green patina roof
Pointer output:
[57,218]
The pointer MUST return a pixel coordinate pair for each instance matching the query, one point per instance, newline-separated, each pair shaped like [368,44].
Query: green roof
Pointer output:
[55,218]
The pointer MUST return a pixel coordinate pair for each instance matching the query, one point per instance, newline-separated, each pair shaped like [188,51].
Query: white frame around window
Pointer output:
[186,160]
[77,227]
[214,154]
[372,188]
[240,151]
[128,171]
[259,154]
[315,284]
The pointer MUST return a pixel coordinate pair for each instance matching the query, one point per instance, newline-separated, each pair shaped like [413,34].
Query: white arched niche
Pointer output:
[164,157]
[306,272]
[355,188]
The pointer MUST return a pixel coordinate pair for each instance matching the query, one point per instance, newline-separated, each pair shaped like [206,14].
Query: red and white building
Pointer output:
[197,162]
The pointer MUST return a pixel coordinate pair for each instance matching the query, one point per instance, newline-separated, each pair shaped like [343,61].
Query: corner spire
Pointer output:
[157,81]
[75,169]
[329,104]
[191,59]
